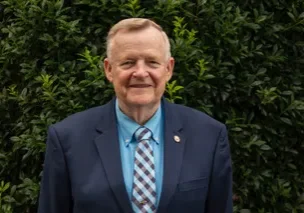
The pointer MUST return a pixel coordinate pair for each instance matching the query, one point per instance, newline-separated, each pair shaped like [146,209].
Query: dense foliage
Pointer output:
[240,61]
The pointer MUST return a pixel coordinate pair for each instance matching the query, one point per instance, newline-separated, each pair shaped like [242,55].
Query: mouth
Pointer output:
[140,85]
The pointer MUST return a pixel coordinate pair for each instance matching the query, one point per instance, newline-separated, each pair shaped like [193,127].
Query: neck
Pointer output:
[140,114]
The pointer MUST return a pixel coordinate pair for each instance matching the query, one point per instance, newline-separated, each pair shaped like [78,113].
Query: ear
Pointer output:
[108,69]
[170,68]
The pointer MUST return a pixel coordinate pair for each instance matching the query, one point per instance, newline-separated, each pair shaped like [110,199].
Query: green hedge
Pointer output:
[240,61]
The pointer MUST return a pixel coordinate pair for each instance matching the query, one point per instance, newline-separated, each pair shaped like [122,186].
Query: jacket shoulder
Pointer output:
[80,121]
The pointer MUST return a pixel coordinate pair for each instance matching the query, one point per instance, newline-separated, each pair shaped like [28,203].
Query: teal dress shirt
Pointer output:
[127,143]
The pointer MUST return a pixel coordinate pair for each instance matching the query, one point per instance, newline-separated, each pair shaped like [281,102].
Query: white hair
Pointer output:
[133,24]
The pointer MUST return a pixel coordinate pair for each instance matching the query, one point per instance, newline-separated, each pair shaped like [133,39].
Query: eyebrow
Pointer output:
[149,57]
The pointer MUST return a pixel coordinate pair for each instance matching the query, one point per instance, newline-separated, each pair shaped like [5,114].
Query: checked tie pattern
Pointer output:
[144,185]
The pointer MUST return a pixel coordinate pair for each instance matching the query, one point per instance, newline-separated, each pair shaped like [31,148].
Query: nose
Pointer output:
[140,70]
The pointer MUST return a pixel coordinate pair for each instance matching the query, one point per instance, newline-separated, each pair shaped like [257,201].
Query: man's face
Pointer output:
[139,67]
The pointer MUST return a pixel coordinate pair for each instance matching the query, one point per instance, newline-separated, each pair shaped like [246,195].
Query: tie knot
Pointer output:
[142,133]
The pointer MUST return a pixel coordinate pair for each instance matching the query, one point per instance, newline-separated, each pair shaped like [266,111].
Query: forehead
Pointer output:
[149,41]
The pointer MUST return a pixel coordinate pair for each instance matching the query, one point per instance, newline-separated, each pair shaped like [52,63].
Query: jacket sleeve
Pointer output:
[55,196]
[219,198]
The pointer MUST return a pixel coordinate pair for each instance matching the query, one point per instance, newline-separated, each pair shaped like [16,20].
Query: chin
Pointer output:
[142,101]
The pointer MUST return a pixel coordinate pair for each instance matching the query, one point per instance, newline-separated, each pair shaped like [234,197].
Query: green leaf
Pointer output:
[227,63]
[236,129]
[256,83]
[245,211]
[262,71]
[252,26]
[5,187]
[261,19]
[286,120]
[209,76]
[266,173]
[265,147]
[292,166]
[5,30]
[291,16]
[15,139]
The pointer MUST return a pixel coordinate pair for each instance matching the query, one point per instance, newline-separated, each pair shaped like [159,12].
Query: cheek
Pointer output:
[121,79]
[160,79]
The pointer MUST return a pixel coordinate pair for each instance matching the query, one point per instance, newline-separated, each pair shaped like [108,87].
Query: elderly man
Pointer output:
[138,153]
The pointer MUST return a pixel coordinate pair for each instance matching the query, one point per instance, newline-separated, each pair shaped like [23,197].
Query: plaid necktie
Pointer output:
[144,186]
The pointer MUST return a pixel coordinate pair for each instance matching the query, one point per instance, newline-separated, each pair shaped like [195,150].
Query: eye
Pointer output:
[127,64]
[153,64]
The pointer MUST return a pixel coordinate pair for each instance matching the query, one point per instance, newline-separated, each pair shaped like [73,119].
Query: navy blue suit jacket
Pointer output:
[83,171]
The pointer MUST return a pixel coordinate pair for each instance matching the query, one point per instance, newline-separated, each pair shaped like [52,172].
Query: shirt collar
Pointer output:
[129,126]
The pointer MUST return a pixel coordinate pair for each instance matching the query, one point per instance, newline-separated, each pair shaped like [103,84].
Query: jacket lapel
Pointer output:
[173,154]
[107,144]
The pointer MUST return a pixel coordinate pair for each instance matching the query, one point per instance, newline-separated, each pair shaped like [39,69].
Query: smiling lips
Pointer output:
[140,85]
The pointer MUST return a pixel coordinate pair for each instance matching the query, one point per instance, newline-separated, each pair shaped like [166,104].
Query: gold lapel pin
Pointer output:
[176,138]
